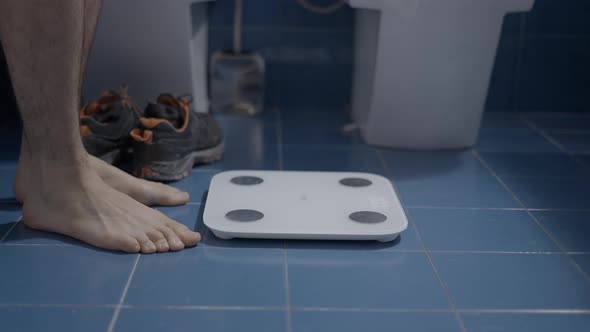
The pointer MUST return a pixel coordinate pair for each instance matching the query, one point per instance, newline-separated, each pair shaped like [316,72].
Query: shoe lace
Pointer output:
[126,101]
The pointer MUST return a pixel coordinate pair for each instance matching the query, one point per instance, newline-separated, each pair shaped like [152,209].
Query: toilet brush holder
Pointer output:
[237,77]
[237,83]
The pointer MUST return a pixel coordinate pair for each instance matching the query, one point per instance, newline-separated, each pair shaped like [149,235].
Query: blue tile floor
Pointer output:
[499,240]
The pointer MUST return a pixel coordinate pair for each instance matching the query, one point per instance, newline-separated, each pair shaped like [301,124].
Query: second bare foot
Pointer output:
[143,191]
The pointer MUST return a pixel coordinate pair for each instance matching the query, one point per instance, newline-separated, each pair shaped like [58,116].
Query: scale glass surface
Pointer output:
[303,205]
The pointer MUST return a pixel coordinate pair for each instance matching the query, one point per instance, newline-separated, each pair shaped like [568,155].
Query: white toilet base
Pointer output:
[422,69]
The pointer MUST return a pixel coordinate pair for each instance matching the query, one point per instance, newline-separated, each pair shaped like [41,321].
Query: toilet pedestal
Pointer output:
[422,69]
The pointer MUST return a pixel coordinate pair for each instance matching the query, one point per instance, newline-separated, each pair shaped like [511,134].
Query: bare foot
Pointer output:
[146,192]
[86,208]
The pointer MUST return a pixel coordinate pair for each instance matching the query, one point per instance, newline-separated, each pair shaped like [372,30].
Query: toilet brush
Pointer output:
[236,76]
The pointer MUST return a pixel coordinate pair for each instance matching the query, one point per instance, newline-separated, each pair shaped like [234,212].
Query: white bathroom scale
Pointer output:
[303,205]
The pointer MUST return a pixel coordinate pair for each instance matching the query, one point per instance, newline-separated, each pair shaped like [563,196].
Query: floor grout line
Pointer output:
[526,311]
[552,141]
[281,165]
[49,305]
[309,309]
[443,286]
[407,251]
[393,250]
[288,290]
[10,229]
[496,252]
[563,251]
[467,311]
[39,245]
[419,207]
[111,327]
[204,307]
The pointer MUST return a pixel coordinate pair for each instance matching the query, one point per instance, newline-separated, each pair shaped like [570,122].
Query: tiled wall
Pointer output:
[308,56]
[543,61]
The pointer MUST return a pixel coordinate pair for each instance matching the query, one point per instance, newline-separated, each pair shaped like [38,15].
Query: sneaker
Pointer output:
[171,139]
[105,125]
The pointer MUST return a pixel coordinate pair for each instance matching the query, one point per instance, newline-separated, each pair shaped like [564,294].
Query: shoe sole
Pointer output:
[165,171]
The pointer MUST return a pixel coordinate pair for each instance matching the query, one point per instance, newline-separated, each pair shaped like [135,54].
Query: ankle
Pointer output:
[48,175]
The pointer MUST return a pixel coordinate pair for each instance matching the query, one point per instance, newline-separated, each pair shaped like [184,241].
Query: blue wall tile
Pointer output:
[541,63]
[308,55]
[295,15]
[559,17]
[254,13]
[501,93]
[555,74]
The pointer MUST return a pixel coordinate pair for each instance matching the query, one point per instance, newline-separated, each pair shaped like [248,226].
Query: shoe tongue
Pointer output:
[172,114]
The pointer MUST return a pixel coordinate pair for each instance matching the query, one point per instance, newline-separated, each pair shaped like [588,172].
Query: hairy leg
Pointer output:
[43,42]
[146,192]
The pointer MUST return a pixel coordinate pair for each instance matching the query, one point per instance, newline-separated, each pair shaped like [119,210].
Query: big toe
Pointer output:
[154,193]
[124,243]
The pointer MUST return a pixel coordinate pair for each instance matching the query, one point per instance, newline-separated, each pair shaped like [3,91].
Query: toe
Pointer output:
[112,241]
[129,244]
[162,245]
[157,237]
[188,237]
[173,240]
[154,193]
[147,246]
